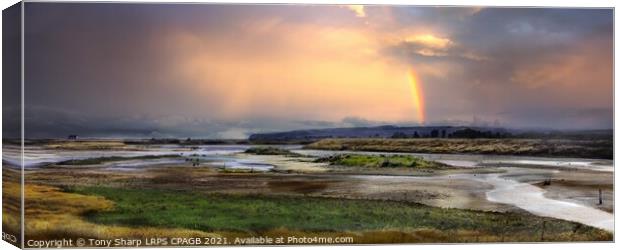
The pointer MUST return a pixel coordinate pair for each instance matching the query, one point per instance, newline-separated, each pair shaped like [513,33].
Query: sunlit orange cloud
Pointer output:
[303,71]
[358,10]
[417,95]
[430,40]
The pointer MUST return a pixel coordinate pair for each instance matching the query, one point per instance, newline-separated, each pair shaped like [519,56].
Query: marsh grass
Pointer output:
[381,161]
[108,213]
[51,213]
[271,151]
[602,149]
[84,145]
[369,221]
[11,204]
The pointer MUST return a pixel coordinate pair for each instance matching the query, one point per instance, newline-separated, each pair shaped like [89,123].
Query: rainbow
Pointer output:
[416,92]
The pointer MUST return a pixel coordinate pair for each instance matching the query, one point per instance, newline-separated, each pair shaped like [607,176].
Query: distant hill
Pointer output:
[388,131]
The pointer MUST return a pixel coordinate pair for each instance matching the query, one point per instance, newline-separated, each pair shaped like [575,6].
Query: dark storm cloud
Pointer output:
[145,70]
[507,59]
[11,75]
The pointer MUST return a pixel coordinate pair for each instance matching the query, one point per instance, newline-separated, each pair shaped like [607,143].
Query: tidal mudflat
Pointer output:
[236,190]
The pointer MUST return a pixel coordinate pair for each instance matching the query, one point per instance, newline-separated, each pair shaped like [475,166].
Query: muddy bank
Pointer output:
[532,199]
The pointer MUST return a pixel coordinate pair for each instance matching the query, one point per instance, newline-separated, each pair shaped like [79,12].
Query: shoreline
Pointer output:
[532,199]
[482,188]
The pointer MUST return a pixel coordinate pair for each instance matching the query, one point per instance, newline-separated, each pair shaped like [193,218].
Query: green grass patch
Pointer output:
[99,160]
[220,212]
[271,151]
[381,161]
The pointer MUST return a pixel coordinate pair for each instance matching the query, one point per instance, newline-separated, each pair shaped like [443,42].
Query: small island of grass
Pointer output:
[381,161]
[271,151]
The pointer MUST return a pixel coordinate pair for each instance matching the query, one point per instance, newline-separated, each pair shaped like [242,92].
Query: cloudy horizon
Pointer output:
[225,71]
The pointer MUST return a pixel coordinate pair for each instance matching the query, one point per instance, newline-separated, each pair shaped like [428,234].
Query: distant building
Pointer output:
[72,137]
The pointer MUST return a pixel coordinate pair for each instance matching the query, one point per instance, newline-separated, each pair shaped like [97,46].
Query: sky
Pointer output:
[227,71]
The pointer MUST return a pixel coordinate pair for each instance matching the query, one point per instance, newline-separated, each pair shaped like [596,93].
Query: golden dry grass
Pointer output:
[51,213]
[534,147]
[11,205]
[86,145]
